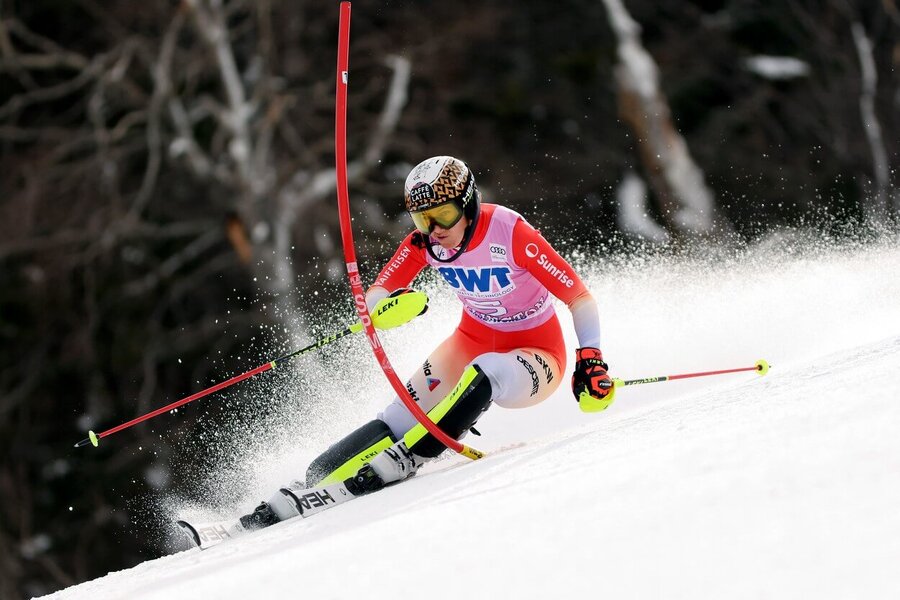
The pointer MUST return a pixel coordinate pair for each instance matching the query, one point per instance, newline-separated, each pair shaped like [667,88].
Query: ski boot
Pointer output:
[390,466]
[262,516]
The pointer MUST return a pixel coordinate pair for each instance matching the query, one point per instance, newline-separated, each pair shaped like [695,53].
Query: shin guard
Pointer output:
[344,458]
[455,414]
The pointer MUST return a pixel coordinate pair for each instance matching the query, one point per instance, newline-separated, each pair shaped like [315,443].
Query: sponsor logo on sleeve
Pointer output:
[531,251]
[395,264]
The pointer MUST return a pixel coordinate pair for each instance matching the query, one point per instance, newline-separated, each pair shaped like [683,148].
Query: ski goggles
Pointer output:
[445,215]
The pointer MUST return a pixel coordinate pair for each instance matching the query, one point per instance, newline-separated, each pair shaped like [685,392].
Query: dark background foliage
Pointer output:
[148,228]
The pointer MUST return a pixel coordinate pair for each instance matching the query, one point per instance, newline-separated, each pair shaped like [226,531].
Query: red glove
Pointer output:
[591,384]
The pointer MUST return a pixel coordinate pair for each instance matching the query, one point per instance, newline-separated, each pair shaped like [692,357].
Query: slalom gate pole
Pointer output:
[761,367]
[343,194]
[94,438]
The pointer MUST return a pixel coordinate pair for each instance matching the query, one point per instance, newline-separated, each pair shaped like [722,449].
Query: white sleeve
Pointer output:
[374,294]
[586,319]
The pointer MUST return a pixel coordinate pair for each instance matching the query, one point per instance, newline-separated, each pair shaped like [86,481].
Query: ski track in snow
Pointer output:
[784,486]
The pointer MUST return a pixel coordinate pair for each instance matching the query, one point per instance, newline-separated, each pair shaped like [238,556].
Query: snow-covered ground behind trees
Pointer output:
[739,486]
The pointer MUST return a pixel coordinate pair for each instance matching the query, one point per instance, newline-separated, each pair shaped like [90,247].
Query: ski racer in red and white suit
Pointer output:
[507,350]
[508,326]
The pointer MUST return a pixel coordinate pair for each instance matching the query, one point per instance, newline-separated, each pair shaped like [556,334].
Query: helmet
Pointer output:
[440,191]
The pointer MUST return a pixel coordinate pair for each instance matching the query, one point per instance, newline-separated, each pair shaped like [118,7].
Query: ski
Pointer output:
[207,535]
[307,501]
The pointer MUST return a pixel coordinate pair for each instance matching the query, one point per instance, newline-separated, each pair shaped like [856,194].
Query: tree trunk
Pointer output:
[685,201]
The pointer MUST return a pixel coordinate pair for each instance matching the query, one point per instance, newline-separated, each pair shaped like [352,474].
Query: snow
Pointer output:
[737,486]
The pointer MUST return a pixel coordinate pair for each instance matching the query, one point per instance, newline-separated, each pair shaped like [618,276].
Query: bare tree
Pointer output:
[845,89]
[685,201]
[877,202]
[268,204]
[154,172]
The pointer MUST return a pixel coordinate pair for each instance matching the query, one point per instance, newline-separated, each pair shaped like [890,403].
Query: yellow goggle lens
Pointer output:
[445,216]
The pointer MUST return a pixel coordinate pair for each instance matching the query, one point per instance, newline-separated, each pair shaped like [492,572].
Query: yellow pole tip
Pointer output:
[762,367]
[471,453]
[94,439]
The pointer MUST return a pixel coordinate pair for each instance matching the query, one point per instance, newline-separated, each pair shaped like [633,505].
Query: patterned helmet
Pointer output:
[439,191]
[439,180]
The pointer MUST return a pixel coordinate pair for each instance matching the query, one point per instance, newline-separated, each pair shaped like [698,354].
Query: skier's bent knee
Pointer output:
[371,457]
[455,414]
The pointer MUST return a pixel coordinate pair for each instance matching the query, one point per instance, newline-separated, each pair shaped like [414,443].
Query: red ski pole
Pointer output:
[761,367]
[94,438]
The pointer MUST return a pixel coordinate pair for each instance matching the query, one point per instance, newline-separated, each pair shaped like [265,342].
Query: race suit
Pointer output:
[509,327]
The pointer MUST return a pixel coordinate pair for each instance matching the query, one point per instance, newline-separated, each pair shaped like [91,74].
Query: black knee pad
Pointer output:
[344,458]
[455,414]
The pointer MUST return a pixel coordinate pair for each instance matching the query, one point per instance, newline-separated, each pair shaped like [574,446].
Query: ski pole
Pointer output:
[94,438]
[761,367]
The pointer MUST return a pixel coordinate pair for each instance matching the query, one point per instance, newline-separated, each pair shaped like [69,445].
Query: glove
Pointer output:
[591,384]
[400,307]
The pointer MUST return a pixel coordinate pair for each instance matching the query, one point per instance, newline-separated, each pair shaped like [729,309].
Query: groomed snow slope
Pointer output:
[786,486]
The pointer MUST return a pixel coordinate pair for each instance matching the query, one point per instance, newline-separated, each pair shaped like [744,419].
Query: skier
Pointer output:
[508,348]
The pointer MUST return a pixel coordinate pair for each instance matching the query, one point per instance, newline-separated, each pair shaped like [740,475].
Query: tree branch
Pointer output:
[687,202]
[54,92]
[161,89]
[211,23]
[174,263]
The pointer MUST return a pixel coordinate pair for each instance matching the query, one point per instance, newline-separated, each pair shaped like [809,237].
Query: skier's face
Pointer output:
[452,237]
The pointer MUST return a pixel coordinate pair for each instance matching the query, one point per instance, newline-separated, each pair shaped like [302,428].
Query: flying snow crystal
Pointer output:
[725,451]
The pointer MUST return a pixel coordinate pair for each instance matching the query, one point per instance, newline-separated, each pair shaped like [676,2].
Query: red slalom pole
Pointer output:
[343,194]
[761,367]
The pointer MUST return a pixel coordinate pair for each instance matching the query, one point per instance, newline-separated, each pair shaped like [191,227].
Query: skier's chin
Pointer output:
[448,242]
